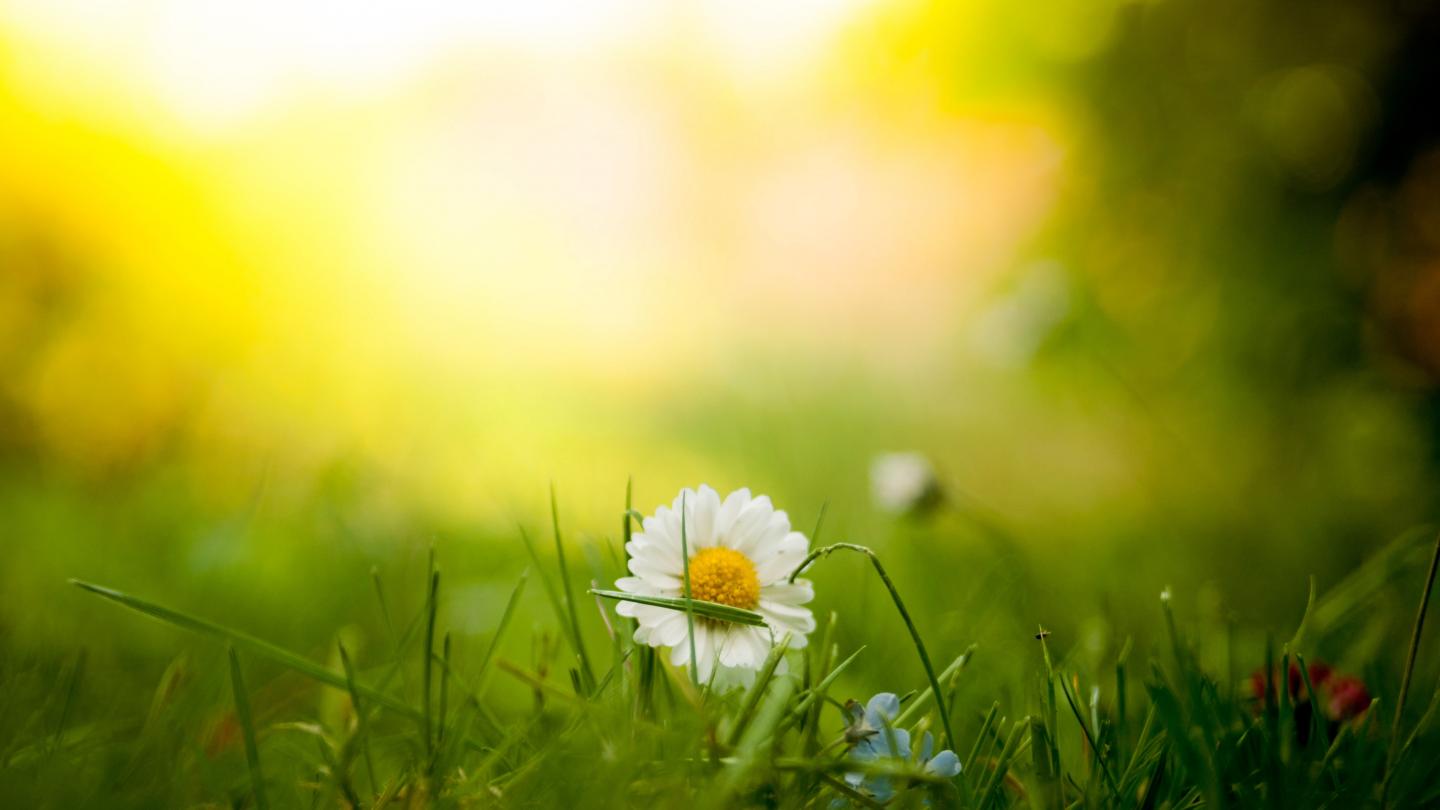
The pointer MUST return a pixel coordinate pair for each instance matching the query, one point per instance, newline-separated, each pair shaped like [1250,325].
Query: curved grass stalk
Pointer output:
[904,616]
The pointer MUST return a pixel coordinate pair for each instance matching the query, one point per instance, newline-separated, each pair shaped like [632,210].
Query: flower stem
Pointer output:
[904,616]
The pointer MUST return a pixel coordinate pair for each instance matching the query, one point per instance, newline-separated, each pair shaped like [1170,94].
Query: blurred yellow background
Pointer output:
[474,243]
[1148,282]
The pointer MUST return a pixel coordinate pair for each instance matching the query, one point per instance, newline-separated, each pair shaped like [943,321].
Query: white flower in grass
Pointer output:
[741,553]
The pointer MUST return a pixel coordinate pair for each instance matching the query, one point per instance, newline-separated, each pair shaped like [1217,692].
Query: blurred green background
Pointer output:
[285,297]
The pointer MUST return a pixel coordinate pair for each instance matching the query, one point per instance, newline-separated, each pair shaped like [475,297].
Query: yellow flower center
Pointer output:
[726,576]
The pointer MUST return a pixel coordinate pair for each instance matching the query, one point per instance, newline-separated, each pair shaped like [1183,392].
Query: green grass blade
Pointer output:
[362,724]
[1295,641]
[444,689]
[1414,648]
[1040,745]
[708,610]
[482,672]
[1154,783]
[247,727]
[72,687]
[1002,763]
[1090,737]
[247,642]
[757,690]
[427,666]
[968,768]
[751,751]
[551,593]
[913,707]
[397,643]
[819,522]
[817,693]
[587,672]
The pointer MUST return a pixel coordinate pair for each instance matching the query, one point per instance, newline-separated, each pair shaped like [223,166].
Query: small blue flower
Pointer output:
[875,737]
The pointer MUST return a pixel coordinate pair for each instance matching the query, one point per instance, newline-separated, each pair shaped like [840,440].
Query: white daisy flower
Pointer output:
[741,552]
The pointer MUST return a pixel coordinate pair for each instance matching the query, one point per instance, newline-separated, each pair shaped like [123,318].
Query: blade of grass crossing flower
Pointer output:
[245,641]
[709,610]
[587,672]
[247,728]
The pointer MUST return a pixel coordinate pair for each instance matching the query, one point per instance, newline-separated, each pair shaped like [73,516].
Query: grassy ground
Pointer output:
[399,689]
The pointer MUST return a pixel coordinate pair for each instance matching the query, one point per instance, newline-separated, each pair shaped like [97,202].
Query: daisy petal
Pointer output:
[704,507]
[786,559]
[786,593]
[787,618]
[663,553]
[745,531]
[766,540]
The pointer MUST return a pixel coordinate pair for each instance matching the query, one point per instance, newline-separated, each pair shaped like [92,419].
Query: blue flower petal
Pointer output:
[881,708]
[945,763]
[902,743]
[871,747]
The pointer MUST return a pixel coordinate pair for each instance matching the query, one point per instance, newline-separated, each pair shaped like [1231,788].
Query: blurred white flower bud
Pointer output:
[902,482]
